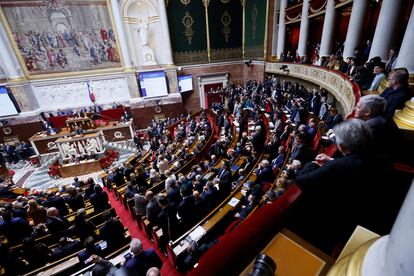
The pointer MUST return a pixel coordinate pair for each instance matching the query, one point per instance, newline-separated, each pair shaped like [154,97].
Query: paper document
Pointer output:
[233,202]
[197,233]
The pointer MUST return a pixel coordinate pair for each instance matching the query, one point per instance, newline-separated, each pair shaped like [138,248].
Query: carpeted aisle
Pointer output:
[131,224]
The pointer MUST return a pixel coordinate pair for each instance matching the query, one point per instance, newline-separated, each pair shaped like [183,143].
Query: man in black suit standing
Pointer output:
[264,172]
[224,178]
[186,207]
[258,139]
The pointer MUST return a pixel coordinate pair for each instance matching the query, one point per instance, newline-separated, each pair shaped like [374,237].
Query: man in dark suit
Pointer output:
[152,209]
[100,200]
[224,179]
[57,225]
[280,158]
[299,150]
[57,201]
[77,183]
[66,246]
[339,194]
[15,229]
[167,220]
[264,172]
[387,136]
[112,231]
[397,92]
[332,119]
[142,259]
[90,249]
[258,139]
[186,207]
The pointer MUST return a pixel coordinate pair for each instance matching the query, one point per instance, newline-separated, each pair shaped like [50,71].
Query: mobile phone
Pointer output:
[128,256]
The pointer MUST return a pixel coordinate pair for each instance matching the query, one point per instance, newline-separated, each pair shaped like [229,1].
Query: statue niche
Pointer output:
[148,57]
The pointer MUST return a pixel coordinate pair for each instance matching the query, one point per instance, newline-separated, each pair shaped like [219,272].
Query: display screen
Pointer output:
[185,83]
[152,84]
[7,106]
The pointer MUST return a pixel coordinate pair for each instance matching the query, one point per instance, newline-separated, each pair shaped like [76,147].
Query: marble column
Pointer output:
[328,29]
[9,62]
[275,29]
[406,54]
[165,33]
[121,33]
[356,23]
[393,254]
[388,21]
[304,28]
[282,28]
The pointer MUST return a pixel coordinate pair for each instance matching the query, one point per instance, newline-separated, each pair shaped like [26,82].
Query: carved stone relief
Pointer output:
[76,93]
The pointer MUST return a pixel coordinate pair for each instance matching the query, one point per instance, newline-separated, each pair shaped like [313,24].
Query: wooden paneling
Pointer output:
[143,116]
[23,131]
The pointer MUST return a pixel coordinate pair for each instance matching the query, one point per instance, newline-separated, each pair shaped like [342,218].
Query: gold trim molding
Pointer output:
[338,86]
[190,57]
[44,76]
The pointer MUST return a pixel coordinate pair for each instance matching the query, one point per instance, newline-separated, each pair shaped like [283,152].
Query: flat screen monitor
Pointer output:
[7,103]
[153,84]
[185,83]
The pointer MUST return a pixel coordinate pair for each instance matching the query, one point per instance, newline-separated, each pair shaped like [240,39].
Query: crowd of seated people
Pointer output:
[295,116]
[15,152]
[43,227]
[332,182]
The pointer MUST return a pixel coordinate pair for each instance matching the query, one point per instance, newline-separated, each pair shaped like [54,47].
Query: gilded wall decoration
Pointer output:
[62,36]
[188,22]
[254,15]
[185,2]
[190,57]
[226,20]
[226,54]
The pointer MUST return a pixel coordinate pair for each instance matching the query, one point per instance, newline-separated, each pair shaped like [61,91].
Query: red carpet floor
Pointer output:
[131,224]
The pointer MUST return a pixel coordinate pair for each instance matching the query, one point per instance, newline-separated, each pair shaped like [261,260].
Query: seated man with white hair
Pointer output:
[142,260]
[264,172]
[387,136]
[339,194]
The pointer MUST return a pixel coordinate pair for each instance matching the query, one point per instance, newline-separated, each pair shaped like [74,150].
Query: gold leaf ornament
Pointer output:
[188,22]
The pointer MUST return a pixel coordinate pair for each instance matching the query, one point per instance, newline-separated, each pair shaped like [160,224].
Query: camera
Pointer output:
[263,266]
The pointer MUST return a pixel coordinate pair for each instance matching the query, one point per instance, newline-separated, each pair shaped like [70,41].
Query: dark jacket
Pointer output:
[140,263]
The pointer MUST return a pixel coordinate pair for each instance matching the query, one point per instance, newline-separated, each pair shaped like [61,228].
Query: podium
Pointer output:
[84,123]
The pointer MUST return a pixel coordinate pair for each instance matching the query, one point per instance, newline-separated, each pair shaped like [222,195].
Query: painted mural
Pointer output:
[56,36]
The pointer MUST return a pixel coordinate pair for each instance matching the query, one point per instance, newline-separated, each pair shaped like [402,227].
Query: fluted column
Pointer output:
[9,63]
[282,28]
[393,254]
[386,27]
[165,33]
[356,22]
[328,29]
[304,28]
[121,33]
[406,55]
[275,29]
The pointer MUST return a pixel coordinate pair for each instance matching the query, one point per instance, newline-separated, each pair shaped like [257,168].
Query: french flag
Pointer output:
[90,90]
